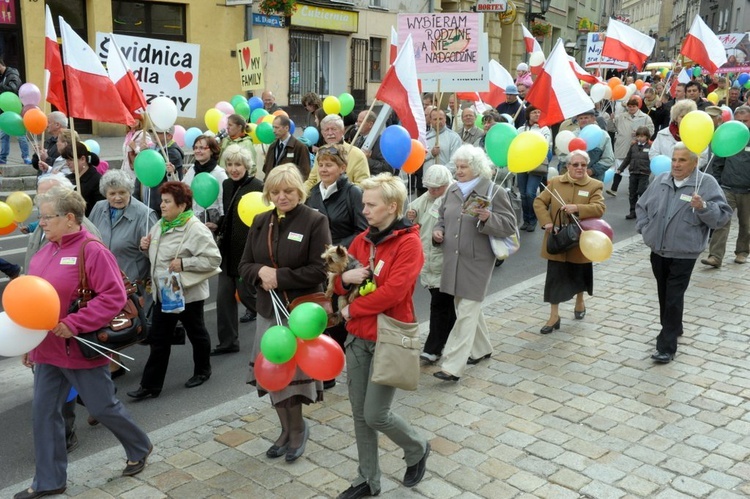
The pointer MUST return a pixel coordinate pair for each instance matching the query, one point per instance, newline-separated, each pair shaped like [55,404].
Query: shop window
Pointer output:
[309,64]
[376,59]
[74,13]
[165,21]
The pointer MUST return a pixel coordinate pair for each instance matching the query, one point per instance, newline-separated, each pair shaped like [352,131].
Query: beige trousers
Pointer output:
[468,338]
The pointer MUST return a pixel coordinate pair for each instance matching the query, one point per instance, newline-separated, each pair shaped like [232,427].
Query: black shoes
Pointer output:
[223,351]
[117,373]
[662,357]
[277,451]
[531,228]
[472,362]
[294,454]
[197,380]
[327,385]
[548,329]
[630,216]
[580,314]
[142,393]
[523,226]
[357,491]
[415,473]
[445,376]
[132,469]
[31,494]
[248,317]
[71,443]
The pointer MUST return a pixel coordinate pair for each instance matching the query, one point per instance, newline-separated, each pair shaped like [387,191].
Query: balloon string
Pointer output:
[96,347]
[278,307]
[570,215]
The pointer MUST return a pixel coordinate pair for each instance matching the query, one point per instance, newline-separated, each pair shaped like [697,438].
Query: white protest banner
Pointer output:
[737,46]
[251,66]
[163,68]
[443,43]
[594,59]
[463,82]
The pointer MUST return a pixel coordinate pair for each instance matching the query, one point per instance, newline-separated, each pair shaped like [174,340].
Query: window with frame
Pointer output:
[377,3]
[165,21]
[376,59]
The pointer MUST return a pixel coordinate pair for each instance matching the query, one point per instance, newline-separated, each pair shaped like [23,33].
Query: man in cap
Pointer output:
[715,113]
[512,106]
[602,155]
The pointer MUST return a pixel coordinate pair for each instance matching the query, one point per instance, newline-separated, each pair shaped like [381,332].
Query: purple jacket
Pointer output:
[58,264]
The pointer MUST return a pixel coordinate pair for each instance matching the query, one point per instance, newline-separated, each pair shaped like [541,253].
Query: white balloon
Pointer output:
[536,58]
[607,92]
[598,92]
[563,140]
[552,172]
[17,340]
[163,113]
[629,91]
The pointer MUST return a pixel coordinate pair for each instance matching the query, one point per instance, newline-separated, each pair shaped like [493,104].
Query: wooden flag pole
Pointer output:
[75,155]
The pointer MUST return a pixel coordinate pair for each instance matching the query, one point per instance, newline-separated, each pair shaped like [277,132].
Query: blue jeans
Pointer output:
[9,269]
[5,147]
[528,185]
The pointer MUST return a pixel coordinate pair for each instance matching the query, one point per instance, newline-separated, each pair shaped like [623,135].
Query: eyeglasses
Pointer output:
[47,218]
[578,165]
[331,150]
[199,148]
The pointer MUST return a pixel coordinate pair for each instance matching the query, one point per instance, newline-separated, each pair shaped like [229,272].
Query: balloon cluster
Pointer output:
[343,104]
[16,208]
[519,152]
[284,349]
[260,121]
[23,324]
[400,150]
[697,132]
[21,112]
[596,239]
[588,138]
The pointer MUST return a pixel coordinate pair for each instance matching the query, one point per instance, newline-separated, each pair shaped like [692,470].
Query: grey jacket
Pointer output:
[670,226]
[468,259]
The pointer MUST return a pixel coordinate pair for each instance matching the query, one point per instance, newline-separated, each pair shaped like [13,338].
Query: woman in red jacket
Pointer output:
[393,245]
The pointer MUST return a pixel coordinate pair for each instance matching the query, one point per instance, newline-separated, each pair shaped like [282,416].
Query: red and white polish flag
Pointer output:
[394,46]
[531,43]
[703,46]
[627,44]
[53,68]
[91,94]
[124,79]
[499,79]
[581,73]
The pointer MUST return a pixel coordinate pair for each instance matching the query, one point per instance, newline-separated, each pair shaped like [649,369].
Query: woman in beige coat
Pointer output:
[568,274]
[468,259]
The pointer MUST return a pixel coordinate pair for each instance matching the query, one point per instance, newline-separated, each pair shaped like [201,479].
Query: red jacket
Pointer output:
[401,255]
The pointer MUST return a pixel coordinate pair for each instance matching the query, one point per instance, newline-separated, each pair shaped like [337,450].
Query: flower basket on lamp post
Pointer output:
[540,30]
[284,8]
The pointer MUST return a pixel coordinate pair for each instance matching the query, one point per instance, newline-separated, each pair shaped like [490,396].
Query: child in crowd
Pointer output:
[639,164]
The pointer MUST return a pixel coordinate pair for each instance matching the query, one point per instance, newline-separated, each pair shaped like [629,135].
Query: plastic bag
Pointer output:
[171,293]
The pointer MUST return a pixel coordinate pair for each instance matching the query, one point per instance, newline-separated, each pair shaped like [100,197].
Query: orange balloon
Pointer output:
[21,300]
[280,112]
[237,296]
[614,81]
[639,83]
[416,157]
[35,121]
[619,92]
[4,231]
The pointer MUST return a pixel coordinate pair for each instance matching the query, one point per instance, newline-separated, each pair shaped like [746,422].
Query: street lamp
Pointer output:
[544,7]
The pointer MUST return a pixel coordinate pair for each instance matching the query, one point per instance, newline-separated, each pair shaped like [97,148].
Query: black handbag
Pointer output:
[126,328]
[563,237]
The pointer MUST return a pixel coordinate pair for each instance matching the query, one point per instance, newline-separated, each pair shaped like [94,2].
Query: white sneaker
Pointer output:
[611,192]
[428,357]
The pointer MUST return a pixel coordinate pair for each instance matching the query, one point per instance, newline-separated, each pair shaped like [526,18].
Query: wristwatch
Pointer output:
[704,205]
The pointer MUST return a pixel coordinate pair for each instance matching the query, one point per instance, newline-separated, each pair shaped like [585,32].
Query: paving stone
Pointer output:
[691,486]
[601,491]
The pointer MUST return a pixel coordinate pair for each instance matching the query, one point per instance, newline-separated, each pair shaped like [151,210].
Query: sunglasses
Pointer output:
[332,151]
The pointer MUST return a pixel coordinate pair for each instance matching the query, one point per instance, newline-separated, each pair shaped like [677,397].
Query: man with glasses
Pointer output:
[357,169]
[286,149]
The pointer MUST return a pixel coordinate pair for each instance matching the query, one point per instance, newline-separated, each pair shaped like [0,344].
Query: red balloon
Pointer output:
[321,358]
[577,144]
[415,159]
[7,230]
[600,225]
[273,377]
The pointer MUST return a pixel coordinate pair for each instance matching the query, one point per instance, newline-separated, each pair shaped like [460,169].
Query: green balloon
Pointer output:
[729,139]
[237,99]
[308,320]
[149,166]
[205,189]
[697,71]
[12,123]
[9,102]
[264,132]
[498,142]
[478,122]
[347,104]
[242,109]
[258,114]
[278,344]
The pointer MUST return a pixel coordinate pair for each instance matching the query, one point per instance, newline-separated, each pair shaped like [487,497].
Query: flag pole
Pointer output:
[437,132]
[75,155]
[156,133]
[359,129]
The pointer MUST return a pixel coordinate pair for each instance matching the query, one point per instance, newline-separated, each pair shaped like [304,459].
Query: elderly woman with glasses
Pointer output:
[571,273]
[206,151]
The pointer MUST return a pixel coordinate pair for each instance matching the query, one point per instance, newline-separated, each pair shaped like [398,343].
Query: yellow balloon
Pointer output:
[527,151]
[251,132]
[331,105]
[595,245]
[212,118]
[6,215]
[21,204]
[696,130]
[268,119]
[250,205]
[713,97]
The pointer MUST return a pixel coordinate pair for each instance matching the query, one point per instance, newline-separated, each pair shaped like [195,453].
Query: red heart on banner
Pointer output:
[183,78]
[246,57]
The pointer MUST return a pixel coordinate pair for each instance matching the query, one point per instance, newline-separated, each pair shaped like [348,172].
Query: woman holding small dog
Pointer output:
[283,254]
[392,244]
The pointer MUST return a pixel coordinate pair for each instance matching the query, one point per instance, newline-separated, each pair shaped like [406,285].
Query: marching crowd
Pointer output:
[337,192]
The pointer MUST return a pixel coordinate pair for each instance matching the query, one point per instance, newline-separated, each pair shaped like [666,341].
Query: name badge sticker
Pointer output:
[583,194]
[434,211]
[68,260]
[686,197]
[290,155]
[645,149]
[293,236]
[747,149]
[378,267]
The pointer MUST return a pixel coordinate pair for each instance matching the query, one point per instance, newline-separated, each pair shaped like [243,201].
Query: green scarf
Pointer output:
[181,220]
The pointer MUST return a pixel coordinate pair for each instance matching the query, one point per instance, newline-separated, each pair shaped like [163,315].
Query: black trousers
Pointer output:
[442,318]
[672,280]
[160,340]
[616,182]
[638,185]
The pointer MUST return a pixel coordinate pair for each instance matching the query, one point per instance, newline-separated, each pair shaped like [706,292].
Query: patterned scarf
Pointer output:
[181,220]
